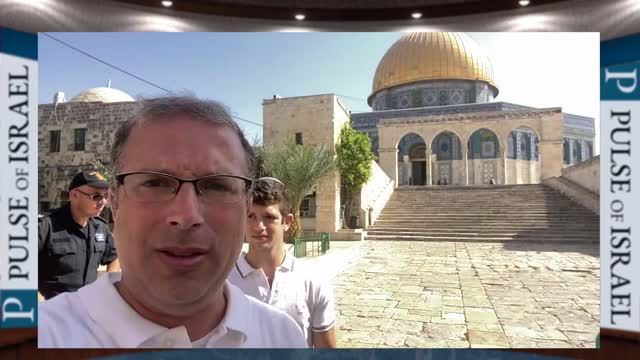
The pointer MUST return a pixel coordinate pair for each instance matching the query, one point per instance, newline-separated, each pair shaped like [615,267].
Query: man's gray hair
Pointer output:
[166,108]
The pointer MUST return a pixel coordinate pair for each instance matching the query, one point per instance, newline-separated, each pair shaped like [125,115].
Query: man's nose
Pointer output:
[185,211]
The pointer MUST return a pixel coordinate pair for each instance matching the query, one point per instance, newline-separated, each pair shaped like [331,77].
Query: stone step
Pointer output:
[481,228]
[530,213]
[435,188]
[475,218]
[485,226]
[449,224]
[502,222]
[492,203]
[487,219]
[501,198]
[484,205]
[469,212]
[531,194]
[481,233]
[529,239]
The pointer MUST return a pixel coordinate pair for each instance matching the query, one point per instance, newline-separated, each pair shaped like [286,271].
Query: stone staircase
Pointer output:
[488,213]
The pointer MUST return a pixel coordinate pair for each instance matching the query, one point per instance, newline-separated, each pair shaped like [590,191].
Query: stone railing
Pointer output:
[580,183]
[585,174]
[374,195]
[575,192]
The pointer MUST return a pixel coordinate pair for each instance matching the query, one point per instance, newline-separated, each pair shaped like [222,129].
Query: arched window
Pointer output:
[483,145]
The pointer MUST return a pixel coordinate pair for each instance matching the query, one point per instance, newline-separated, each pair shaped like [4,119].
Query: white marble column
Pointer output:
[408,170]
[504,166]
[466,165]
[429,168]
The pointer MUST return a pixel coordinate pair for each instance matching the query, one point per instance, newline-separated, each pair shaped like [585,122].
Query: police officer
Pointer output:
[73,240]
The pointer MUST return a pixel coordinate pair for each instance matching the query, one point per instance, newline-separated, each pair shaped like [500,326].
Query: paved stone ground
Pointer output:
[461,294]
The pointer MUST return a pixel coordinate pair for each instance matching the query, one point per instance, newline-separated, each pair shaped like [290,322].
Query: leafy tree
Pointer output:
[100,167]
[300,168]
[354,162]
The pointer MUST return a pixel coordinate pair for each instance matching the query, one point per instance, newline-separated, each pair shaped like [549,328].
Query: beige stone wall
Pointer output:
[56,169]
[374,194]
[547,124]
[585,174]
[308,223]
[319,118]
[387,158]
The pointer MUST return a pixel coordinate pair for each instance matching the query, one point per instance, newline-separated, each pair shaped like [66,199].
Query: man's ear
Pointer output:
[286,221]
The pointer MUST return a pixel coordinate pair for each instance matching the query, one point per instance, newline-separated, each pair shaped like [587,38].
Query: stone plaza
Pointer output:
[464,294]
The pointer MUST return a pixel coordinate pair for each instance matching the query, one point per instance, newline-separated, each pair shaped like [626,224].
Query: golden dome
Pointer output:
[427,56]
[102,94]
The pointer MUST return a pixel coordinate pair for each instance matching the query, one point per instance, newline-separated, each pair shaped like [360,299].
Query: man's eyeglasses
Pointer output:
[95,197]
[155,187]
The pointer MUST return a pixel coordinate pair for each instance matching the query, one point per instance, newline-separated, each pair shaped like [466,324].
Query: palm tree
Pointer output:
[300,168]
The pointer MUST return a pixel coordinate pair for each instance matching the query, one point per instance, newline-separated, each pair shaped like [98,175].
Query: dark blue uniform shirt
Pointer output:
[68,254]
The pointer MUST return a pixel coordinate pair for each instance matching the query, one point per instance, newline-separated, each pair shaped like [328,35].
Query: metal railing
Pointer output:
[320,243]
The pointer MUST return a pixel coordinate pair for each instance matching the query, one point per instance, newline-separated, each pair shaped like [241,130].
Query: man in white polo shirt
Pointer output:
[268,273]
[180,200]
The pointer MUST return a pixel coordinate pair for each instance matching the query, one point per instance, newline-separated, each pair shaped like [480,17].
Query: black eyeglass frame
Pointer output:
[104,196]
[248,182]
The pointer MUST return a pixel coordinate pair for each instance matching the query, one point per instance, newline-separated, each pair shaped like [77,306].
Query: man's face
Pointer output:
[179,252]
[82,198]
[266,226]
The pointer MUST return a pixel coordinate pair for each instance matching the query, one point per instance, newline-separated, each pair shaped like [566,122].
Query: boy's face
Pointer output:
[266,226]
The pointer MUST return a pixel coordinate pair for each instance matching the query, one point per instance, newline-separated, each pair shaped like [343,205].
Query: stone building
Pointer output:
[435,121]
[434,118]
[73,136]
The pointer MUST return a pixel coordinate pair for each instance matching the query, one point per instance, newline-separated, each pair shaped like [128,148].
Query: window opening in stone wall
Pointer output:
[298,138]
[79,139]
[54,141]
[308,207]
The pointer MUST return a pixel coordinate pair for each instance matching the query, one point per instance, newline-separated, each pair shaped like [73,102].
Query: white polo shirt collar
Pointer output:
[245,269]
[130,330]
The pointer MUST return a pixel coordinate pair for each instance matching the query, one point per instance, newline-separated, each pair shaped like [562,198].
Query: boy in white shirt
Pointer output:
[270,274]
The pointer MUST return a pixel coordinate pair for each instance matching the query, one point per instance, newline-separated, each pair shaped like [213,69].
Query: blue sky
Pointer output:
[242,69]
